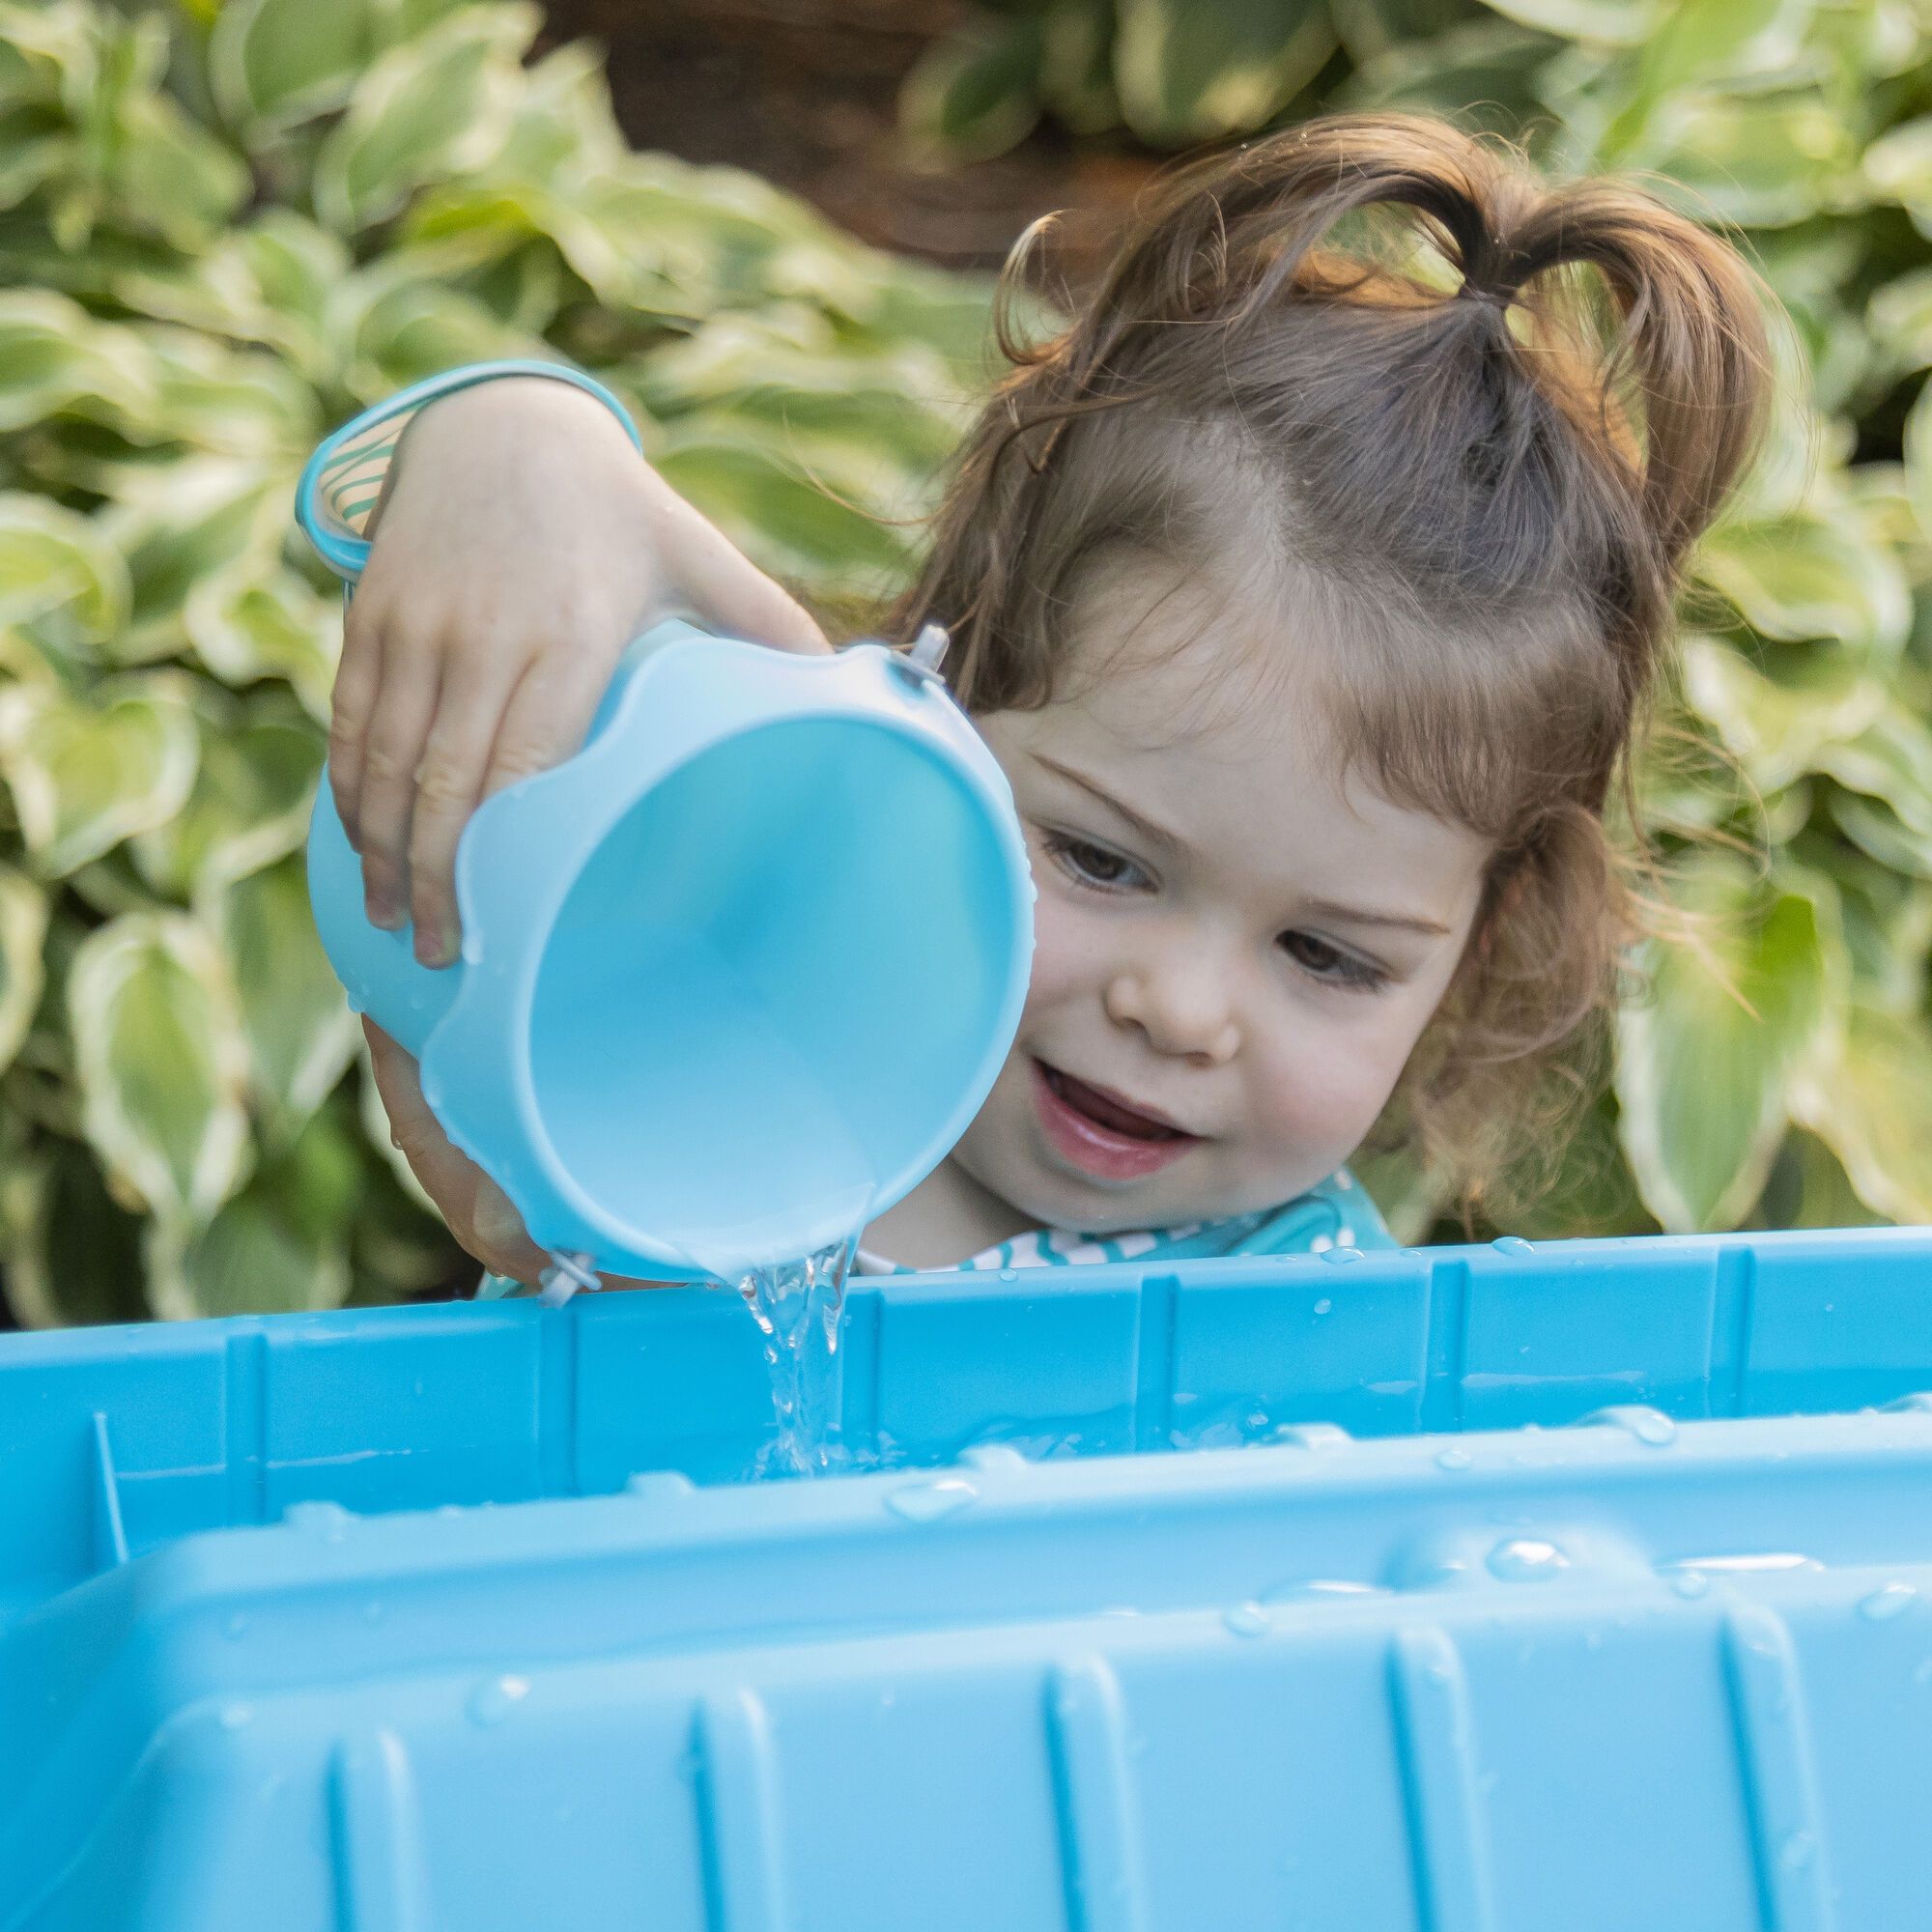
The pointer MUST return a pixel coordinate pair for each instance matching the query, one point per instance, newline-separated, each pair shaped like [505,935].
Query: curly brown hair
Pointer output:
[1482,417]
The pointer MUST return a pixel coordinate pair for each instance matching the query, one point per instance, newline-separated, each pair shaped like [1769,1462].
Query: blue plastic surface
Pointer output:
[456,1617]
[658,993]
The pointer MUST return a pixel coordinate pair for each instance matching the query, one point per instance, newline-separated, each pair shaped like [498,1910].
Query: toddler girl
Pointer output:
[1308,587]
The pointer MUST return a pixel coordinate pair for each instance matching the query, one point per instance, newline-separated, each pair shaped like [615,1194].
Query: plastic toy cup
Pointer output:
[735,976]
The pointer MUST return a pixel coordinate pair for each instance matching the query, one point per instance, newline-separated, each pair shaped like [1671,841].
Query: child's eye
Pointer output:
[1091,865]
[1328,962]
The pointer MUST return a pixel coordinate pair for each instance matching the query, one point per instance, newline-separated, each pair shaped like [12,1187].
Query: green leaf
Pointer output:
[74,1252]
[1188,73]
[1076,65]
[24,932]
[276,62]
[86,774]
[1869,1104]
[55,358]
[162,1063]
[245,629]
[1762,159]
[1706,1061]
[974,95]
[253,789]
[1899,317]
[1898,168]
[184,522]
[1811,576]
[301,1034]
[1917,437]
[429,109]
[1889,760]
[171,177]
[784,522]
[53,560]
[279,1247]
[1778,719]
[1620,23]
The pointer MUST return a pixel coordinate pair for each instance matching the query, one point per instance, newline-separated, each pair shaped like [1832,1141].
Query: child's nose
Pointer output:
[1182,1006]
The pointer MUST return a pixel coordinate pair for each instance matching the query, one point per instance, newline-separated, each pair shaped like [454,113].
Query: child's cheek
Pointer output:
[1067,959]
[1319,1089]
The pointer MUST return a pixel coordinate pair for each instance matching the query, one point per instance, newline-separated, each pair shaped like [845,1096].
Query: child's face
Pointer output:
[1234,944]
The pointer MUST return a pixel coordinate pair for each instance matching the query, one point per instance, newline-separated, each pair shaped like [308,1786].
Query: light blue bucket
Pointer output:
[735,976]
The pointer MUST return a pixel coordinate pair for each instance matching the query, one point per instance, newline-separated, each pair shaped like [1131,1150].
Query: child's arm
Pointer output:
[518,543]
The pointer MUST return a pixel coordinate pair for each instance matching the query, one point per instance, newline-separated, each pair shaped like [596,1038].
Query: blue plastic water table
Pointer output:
[1499,1590]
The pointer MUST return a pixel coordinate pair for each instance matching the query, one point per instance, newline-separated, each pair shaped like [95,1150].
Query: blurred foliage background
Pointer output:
[227,224]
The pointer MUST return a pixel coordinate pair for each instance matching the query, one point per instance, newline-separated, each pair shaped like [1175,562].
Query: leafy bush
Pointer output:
[1781,1071]
[221,229]
[227,226]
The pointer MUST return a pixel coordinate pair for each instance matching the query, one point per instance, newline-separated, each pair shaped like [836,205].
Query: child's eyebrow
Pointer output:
[1348,914]
[1146,827]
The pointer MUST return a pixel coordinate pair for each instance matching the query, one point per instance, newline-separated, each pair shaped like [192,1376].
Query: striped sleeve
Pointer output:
[343,482]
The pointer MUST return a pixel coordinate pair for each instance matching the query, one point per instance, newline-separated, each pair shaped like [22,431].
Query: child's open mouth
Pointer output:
[1101,1133]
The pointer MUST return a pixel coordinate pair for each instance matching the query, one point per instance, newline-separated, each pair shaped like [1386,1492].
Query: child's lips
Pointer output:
[1101,1133]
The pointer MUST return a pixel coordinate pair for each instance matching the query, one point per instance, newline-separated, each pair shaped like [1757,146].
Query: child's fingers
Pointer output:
[352,706]
[391,752]
[548,715]
[448,786]
[729,593]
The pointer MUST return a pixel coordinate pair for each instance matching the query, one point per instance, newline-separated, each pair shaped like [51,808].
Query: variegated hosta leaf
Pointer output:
[1187,73]
[279,1245]
[87,775]
[274,61]
[245,628]
[164,1062]
[302,1035]
[1868,1103]
[57,565]
[181,523]
[434,107]
[1809,576]
[1778,720]
[54,357]
[1707,1059]
[230,402]
[250,805]
[24,932]
[74,1253]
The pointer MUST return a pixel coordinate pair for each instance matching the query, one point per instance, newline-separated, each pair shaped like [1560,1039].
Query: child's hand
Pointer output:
[479,1211]
[523,543]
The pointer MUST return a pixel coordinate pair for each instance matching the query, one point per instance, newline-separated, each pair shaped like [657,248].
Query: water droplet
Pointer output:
[1690,1584]
[232,1717]
[1322,1306]
[1512,1244]
[1526,1559]
[1010,1274]
[1650,1426]
[496,1698]
[1452,1458]
[328,1520]
[1340,1256]
[931,1502]
[1246,1619]
[1321,1438]
[1922,1675]
[1301,1588]
[237,1626]
[1797,1851]
[1882,1605]
[372,1612]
